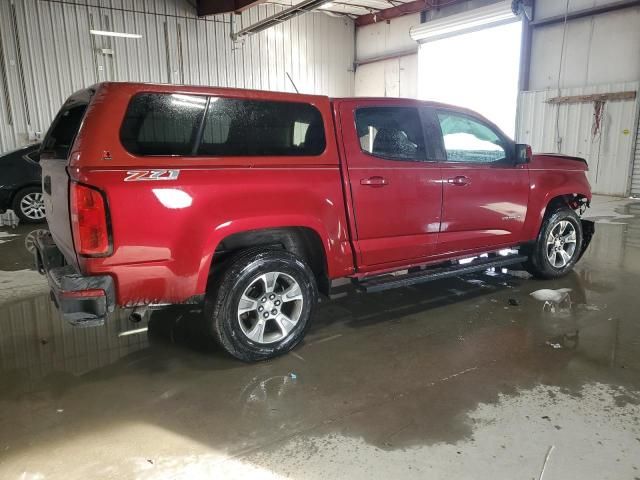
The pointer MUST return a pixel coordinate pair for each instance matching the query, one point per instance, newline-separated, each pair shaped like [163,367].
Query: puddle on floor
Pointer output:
[396,370]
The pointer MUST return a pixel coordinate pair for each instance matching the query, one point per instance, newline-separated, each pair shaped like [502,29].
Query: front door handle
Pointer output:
[374,181]
[459,181]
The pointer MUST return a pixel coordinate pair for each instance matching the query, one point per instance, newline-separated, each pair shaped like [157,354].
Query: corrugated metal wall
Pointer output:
[46,53]
[608,153]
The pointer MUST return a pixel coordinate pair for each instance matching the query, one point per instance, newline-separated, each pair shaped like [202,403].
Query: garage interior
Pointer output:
[469,377]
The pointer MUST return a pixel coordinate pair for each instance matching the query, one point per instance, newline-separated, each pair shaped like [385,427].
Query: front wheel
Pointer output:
[261,305]
[558,245]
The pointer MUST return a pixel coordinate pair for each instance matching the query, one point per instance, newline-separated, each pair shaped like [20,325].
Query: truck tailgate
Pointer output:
[54,159]
[55,188]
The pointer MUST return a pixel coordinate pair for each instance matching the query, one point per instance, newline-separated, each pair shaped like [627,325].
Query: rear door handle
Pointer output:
[459,181]
[374,181]
[47,184]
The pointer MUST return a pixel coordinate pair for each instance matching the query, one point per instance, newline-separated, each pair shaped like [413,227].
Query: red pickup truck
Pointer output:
[251,202]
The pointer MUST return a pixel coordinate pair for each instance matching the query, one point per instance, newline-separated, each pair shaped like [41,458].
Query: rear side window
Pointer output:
[236,127]
[171,124]
[63,131]
[162,124]
[393,133]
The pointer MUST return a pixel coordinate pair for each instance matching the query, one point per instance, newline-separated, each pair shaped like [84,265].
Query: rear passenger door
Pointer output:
[395,184]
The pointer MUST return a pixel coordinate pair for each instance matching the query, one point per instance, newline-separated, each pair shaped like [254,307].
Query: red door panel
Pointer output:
[485,192]
[396,204]
[483,206]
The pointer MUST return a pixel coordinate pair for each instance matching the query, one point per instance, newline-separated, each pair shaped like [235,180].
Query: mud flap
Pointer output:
[588,230]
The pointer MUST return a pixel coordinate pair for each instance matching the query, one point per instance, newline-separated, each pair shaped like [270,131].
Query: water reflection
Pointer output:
[593,318]
[617,242]
[35,342]
[416,360]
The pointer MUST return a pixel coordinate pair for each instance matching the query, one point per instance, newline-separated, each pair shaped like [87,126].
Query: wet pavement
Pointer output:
[470,377]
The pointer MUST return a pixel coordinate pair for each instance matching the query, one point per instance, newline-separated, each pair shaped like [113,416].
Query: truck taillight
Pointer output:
[89,221]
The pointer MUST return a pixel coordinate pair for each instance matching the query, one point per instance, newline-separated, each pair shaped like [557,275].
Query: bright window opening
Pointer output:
[477,70]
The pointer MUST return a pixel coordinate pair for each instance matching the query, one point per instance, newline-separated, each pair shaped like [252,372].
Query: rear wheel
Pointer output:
[558,245]
[28,205]
[261,305]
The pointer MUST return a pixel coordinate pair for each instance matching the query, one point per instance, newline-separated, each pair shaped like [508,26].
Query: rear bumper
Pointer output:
[82,300]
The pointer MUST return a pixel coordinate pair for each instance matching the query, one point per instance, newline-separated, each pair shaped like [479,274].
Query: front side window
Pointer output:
[393,133]
[238,127]
[468,140]
[162,124]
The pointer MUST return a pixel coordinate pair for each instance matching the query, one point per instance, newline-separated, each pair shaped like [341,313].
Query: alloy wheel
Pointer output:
[270,307]
[561,244]
[32,206]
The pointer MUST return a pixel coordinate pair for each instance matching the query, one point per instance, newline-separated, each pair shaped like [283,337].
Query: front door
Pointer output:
[485,192]
[395,185]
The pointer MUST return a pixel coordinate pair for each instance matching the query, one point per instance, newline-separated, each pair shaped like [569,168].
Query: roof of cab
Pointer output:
[200,89]
[169,87]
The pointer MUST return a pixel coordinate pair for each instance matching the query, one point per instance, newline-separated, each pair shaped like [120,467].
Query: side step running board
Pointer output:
[385,282]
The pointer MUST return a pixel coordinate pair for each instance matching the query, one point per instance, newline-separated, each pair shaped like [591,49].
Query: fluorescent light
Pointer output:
[115,34]
[133,332]
[187,104]
[189,98]
[172,197]
[464,261]
[495,14]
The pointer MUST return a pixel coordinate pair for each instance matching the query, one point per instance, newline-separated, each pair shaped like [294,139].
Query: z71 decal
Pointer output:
[143,175]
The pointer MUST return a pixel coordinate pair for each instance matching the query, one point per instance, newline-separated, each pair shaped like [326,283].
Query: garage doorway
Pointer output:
[473,61]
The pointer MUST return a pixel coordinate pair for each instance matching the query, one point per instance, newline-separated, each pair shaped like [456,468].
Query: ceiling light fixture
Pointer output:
[115,34]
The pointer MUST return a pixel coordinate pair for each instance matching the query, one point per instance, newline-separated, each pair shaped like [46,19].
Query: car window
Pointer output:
[393,133]
[33,153]
[242,127]
[468,140]
[162,124]
[63,131]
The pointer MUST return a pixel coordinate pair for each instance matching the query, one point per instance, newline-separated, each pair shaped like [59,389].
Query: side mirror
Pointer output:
[522,153]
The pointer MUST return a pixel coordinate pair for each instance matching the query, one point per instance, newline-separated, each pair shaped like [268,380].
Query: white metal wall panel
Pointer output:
[635,179]
[597,50]
[396,77]
[608,153]
[48,53]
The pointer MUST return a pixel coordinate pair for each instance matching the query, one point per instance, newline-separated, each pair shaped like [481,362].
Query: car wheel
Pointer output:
[558,245]
[261,305]
[30,239]
[28,205]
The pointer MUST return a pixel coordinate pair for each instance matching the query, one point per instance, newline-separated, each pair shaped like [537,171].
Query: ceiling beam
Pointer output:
[299,8]
[415,6]
[215,7]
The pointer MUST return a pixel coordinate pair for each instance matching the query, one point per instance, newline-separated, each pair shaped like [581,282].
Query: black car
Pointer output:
[20,185]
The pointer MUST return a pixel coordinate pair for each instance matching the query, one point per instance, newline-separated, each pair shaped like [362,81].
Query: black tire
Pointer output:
[28,215]
[539,264]
[246,271]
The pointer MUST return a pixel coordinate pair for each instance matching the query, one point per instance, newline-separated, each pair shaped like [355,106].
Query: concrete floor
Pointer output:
[465,378]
